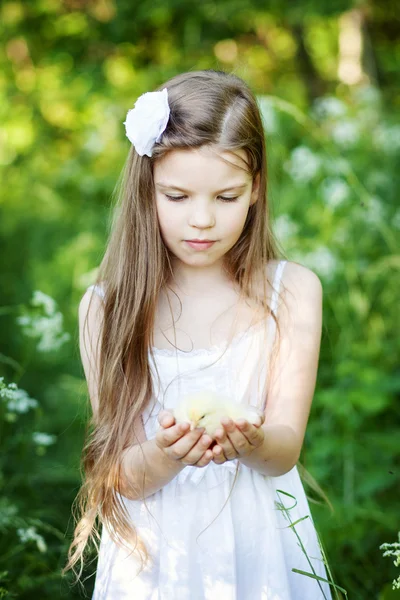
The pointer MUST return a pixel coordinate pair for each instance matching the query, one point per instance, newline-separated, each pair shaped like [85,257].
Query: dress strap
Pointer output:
[98,289]
[277,284]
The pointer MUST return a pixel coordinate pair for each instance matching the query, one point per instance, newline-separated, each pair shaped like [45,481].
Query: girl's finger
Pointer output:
[253,434]
[205,459]
[185,444]
[218,455]
[167,437]
[198,451]
[166,418]
[225,443]
[237,439]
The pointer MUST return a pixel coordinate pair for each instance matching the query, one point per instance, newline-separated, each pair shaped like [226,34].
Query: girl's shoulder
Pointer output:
[301,293]
[293,285]
[294,268]
[98,289]
[289,273]
[294,271]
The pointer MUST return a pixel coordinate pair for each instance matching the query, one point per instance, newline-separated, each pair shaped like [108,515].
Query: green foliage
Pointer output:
[69,72]
[334,191]
[33,544]
[339,207]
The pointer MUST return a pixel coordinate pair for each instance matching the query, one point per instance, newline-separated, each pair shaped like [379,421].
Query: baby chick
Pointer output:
[205,409]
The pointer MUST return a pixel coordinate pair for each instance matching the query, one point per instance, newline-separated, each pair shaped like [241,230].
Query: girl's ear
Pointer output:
[255,189]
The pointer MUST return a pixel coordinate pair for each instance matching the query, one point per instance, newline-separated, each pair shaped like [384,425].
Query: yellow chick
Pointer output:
[205,409]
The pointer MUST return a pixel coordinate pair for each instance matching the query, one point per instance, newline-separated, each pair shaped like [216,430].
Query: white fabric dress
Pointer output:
[203,546]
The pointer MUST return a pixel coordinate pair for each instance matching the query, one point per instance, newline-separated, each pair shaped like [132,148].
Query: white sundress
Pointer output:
[203,546]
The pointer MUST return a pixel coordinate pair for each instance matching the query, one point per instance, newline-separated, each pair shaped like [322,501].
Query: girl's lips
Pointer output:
[199,245]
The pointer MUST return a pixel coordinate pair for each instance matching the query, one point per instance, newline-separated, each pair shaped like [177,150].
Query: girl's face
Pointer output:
[199,196]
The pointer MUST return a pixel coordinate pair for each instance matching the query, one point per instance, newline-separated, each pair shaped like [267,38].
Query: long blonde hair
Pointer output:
[210,108]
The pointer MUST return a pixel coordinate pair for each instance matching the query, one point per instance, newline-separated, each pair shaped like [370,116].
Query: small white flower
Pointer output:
[48,329]
[377,179]
[146,122]
[393,550]
[334,191]
[18,400]
[322,261]
[303,165]
[374,210]
[387,138]
[337,166]
[94,143]
[345,133]
[368,95]
[43,439]
[285,228]
[23,320]
[329,107]
[30,535]
[41,299]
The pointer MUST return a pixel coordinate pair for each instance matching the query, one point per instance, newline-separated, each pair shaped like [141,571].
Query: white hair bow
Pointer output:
[146,122]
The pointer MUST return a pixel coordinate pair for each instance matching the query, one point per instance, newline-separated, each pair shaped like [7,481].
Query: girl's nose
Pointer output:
[202,217]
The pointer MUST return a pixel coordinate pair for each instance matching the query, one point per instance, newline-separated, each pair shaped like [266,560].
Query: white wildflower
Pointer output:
[48,329]
[329,107]
[345,133]
[43,439]
[285,228]
[7,513]
[23,320]
[336,166]
[377,179]
[374,211]
[393,550]
[368,94]
[17,400]
[303,165]
[94,143]
[387,138]
[30,535]
[45,301]
[334,191]
[322,261]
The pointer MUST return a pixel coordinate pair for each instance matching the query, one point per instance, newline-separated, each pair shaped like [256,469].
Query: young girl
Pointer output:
[191,296]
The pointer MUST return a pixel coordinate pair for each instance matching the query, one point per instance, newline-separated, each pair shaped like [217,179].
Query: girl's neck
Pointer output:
[200,282]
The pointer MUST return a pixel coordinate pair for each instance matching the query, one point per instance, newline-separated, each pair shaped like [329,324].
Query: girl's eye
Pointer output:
[223,198]
[174,198]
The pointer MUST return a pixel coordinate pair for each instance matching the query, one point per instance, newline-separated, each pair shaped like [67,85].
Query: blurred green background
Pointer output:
[326,76]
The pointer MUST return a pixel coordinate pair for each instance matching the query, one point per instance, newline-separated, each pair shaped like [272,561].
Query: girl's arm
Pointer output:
[161,458]
[146,469]
[293,374]
[274,448]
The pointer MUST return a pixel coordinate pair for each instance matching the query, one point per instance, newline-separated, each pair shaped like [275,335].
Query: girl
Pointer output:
[191,296]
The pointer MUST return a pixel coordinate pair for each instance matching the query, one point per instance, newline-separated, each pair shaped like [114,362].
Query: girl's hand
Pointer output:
[236,439]
[181,444]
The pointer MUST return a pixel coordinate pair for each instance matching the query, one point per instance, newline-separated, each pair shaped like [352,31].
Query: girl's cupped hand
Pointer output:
[181,444]
[236,439]
[233,440]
